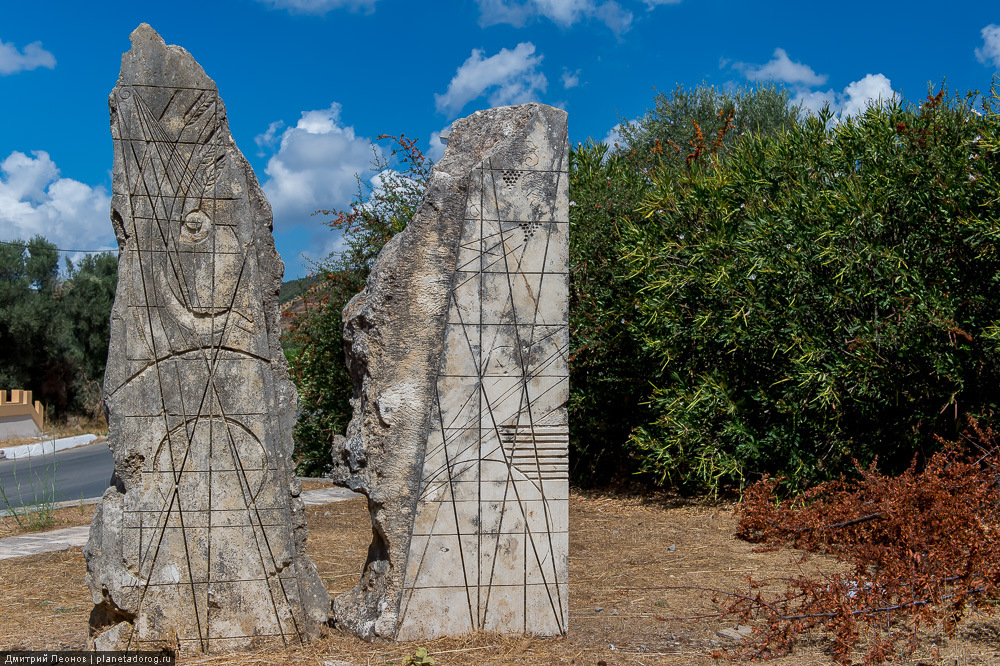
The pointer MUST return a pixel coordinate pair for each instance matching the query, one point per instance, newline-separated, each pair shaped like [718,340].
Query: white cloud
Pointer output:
[513,77]
[855,98]
[815,100]
[564,13]
[435,147]
[859,95]
[35,200]
[269,139]
[314,166]
[320,6]
[989,52]
[570,79]
[803,80]
[652,4]
[32,57]
[614,136]
[784,69]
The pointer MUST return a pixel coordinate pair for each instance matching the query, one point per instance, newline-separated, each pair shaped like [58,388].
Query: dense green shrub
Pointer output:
[609,382]
[611,370]
[827,293]
[685,123]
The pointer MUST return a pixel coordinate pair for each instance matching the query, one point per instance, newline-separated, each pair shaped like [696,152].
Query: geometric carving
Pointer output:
[490,545]
[200,544]
[460,431]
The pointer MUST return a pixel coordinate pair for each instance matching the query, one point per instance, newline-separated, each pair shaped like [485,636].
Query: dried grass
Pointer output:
[631,597]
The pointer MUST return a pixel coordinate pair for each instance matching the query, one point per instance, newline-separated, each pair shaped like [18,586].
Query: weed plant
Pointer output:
[32,507]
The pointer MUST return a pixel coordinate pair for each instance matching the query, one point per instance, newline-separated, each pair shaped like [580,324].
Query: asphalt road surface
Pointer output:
[82,472]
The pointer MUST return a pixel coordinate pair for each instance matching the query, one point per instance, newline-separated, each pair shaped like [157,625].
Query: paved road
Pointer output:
[80,472]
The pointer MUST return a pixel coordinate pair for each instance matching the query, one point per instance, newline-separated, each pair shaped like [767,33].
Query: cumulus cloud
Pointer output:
[314,166]
[803,82]
[564,13]
[570,79]
[34,199]
[859,95]
[614,136]
[320,6]
[784,69]
[815,100]
[31,57]
[853,100]
[989,52]
[270,138]
[435,147]
[512,76]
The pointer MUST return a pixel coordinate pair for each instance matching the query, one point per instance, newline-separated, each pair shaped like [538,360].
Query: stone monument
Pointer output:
[458,350]
[200,543]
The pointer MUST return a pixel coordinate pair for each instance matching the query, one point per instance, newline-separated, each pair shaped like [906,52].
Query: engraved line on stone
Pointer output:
[510,480]
[213,365]
[454,507]
[260,553]
[194,348]
[238,460]
[480,617]
[175,494]
[527,406]
[465,335]
[408,590]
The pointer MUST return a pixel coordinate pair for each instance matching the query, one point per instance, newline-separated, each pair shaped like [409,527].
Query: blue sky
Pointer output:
[306,82]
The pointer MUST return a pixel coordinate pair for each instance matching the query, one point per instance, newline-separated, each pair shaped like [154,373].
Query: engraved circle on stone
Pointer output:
[125,94]
[249,467]
[531,158]
[195,227]
[197,279]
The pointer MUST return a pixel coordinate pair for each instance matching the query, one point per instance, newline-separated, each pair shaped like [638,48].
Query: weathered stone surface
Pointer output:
[201,543]
[457,346]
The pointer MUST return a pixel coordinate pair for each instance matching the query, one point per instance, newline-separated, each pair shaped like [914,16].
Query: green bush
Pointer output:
[609,383]
[611,370]
[826,293]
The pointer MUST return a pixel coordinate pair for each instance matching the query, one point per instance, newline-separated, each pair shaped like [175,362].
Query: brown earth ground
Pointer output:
[632,598]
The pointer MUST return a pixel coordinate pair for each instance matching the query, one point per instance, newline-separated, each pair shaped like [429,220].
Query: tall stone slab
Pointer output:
[200,544]
[458,348]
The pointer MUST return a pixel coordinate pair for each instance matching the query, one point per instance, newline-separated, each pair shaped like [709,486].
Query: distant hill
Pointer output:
[290,298]
[292,289]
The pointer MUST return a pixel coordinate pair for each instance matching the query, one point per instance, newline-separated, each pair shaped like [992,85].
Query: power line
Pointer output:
[23,244]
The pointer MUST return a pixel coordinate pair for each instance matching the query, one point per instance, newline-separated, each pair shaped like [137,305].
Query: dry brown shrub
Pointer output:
[921,549]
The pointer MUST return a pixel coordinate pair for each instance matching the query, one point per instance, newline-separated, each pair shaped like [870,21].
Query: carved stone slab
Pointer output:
[458,346]
[201,543]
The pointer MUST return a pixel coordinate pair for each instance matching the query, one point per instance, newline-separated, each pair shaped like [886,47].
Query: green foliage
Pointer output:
[54,332]
[292,289]
[419,658]
[685,123]
[611,368]
[821,294]
[87,297]
[314,345]
[608,379]
[32,508]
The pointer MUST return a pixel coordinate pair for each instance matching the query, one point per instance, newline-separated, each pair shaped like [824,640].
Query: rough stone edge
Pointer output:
[372,447]
[107,619]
